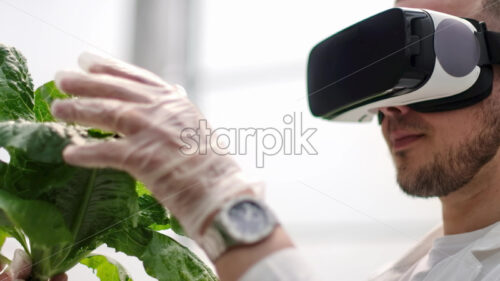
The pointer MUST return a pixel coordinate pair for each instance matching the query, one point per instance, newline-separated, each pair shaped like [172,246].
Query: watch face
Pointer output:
[249,219]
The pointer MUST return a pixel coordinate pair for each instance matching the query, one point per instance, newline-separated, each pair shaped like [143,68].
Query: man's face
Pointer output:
[437,153]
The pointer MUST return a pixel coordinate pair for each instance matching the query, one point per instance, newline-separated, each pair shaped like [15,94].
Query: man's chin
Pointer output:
[416,192]
[427,182]
[413,176]
[407,161]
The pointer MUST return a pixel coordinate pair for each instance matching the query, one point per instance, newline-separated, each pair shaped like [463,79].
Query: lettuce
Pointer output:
[61,213]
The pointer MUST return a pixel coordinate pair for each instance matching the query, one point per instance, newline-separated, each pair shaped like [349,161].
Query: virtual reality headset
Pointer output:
[427,60]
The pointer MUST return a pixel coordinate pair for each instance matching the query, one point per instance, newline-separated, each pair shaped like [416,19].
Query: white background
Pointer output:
[342,206]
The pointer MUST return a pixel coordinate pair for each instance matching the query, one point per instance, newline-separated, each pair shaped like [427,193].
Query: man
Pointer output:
[452,155]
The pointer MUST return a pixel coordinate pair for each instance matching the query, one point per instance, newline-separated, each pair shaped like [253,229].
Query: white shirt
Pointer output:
[478,260]
[443,248]
[472,256]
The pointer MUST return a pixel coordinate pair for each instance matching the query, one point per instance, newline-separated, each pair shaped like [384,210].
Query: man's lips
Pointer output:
[401,139]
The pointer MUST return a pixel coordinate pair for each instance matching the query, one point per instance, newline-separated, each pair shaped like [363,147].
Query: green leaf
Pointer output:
[162,257]
[3,237]
[166,259]
[42,222]
[16,86]
[9,230]
[106,268]
[100,134]
[152,214]
[44,96]
[129,240]
[36,164]
[42,142]
[94,202]
[176,226]
[141,189]
[30,179]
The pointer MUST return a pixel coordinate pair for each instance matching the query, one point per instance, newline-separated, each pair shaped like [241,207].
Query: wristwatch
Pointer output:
[241,221]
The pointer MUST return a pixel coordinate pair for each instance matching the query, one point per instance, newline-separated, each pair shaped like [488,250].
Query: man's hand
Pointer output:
[20,269]
[151,116]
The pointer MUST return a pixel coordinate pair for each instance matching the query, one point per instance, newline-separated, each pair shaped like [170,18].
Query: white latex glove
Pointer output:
[20,269]
[150,114]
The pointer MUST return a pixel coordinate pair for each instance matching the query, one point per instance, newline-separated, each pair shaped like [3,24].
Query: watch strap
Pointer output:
[213,243]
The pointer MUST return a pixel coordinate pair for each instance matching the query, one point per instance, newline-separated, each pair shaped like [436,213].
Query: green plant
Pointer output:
[61,213]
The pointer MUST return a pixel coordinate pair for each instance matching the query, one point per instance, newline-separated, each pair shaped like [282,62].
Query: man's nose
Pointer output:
[395,111]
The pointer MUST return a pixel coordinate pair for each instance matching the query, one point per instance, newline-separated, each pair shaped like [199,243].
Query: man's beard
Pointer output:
[452,169]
